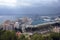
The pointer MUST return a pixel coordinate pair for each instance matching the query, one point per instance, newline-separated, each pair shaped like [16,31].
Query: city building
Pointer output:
[26,20]
[8,25]
[56,29]
[57,19]
[16,25]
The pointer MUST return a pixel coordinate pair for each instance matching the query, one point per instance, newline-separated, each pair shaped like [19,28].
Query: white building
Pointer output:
[56,29]
[57,19]
[16,25]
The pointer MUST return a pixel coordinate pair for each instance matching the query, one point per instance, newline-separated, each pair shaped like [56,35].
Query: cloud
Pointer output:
[8,3]
[34,2]
[24,3]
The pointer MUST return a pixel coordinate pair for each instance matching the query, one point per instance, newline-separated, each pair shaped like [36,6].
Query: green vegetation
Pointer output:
[22,37]
[11,35]
[37,37]
[7,35]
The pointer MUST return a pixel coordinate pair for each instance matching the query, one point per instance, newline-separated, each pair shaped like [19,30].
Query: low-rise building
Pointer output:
[56,29]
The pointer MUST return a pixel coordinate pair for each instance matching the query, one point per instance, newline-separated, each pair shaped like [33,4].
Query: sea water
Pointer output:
[14,17]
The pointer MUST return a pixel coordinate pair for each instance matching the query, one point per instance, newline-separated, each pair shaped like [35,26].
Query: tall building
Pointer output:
[26,20]
[16,25]
[11,26]
[21,23]
[23,27]
[8,25]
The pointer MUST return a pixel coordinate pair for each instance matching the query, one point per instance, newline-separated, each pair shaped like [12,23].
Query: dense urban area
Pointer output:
[22,29]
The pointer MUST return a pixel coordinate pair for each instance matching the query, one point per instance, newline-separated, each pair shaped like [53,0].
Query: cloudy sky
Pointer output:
[29,7]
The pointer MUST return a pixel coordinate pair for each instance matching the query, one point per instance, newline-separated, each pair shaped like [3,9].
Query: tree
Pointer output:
[55,36]
[37,37]
[22,37]
[1,33]
[8,36]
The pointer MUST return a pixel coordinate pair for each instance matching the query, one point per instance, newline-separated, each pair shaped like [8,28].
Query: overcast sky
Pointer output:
[29,7]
